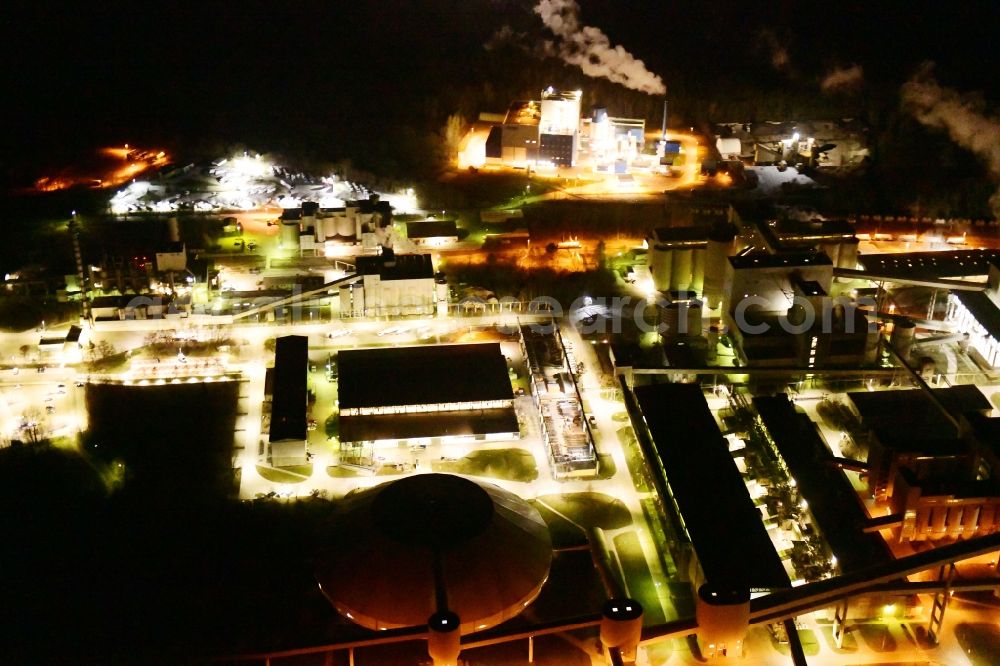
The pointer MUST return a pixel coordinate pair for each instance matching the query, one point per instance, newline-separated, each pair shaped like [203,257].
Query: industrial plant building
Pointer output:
[691,258]
[696,474]
[778,312]
[285,402]
[318,231]
[935,468]
[551,132]
[432,233]
[425,394]
[568,437]
[977,313]
[822,143]
[390,285]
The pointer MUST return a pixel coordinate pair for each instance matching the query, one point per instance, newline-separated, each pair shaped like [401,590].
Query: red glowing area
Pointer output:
[111,167]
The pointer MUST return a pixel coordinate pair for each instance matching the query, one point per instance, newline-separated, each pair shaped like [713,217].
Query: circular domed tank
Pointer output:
[399,551]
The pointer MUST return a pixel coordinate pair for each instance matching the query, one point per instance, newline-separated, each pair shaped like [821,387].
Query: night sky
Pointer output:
[313,76]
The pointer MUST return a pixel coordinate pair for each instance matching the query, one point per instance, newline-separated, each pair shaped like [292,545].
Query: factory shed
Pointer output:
[427,375]
[288,402]
[831,498]
[708,491]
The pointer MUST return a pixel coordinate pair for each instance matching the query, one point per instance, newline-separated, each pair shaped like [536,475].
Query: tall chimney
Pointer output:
[663,129]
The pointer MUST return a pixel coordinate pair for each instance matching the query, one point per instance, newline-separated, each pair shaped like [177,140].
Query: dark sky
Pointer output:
[192,73]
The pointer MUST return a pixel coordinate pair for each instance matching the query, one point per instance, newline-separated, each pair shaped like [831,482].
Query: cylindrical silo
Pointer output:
[289,238]
[832,250]
[320,228]
[669,318]
[713,342]
[720,245]
[902,337]
[680,274]
[345,227]
[660,262]
[694,318]
[444,638]
[848,257]
[679,319]
[723,616]
[441,288]
[871,346]
[174,230]
[698,271]
[330,226]
[621,626]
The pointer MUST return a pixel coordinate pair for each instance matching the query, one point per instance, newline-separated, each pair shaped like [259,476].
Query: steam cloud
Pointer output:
[960,115]
[843,79]
[590,49]
[780,60]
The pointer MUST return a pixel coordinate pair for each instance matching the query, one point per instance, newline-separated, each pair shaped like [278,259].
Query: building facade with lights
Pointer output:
[390,285]
[425,394]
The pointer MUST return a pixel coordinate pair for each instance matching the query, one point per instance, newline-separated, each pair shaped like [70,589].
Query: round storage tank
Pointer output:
[832,250]
[723,617]
[669,316]
[345,227]
[330,226]
[902,336]
[720,246]
[174,230]
[694,319]
[698,271]
[433,536]
[289,234]
[679,319]
[713,342]
[660,262]
[848,254]
[680,275]
[320,229]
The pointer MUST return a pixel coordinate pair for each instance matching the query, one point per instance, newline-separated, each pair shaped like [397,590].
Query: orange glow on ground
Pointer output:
[107,171]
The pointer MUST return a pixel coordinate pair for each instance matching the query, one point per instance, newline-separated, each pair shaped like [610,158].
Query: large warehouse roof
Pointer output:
[706,485]
[425,375]
[926,428]
[288,404]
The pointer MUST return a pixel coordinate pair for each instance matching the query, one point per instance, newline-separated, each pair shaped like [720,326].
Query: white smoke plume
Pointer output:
[780,60]
[504,35]
[961,115]
[590,49]
[843,79]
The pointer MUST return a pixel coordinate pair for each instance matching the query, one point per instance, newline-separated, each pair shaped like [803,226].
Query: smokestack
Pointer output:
[663,130]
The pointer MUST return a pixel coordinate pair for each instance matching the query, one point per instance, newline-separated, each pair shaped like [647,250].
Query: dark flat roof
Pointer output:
[681,234]
[832,500]
[432,374]
[435,424]
[785,259]
[987,430]
[908,420]
[390,266]
[982,308]
[431,229]
[288,402]
[950,263]
[726,530]
[816,230]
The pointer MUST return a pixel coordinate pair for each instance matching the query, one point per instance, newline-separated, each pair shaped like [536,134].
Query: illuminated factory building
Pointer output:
[550,132]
